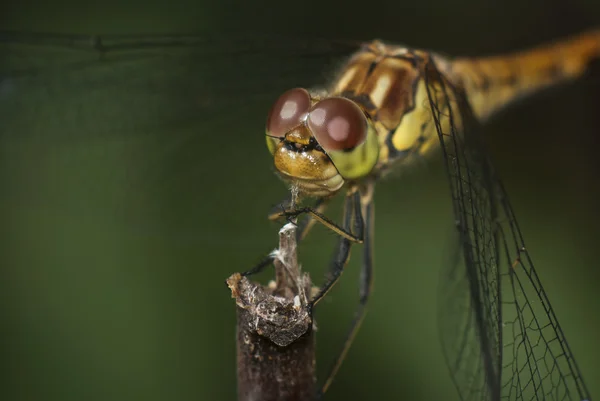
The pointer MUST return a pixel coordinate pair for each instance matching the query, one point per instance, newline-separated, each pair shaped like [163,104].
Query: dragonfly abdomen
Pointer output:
[494,82]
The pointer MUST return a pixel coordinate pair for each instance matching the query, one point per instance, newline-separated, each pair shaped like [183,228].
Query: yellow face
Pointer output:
[318,145]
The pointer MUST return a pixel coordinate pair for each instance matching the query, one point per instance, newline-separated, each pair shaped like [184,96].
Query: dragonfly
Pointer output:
[390,105]
[387,107]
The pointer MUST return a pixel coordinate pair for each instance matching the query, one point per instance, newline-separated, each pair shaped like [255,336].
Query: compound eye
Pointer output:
[288,112]
[337,124]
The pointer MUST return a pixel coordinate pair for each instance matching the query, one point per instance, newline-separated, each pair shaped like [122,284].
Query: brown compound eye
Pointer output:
[288,111]
[337,124]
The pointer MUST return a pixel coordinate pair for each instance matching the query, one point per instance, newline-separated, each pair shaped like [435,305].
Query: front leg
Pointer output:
[285,209]
[316,215]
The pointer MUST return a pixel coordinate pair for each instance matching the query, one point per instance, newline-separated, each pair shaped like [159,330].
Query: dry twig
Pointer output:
[275,340]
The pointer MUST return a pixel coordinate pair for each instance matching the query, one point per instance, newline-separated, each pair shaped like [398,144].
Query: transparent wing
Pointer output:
[126,115]
[501,338]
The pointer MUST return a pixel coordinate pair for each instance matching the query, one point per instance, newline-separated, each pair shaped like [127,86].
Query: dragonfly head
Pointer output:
[319,144]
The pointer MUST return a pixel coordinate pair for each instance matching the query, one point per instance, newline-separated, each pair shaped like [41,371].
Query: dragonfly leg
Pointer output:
[309,221]
[352,212]
[365,288]
[321,218]
[303,228]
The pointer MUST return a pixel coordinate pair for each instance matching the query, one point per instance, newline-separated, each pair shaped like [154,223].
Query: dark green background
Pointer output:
[129,194]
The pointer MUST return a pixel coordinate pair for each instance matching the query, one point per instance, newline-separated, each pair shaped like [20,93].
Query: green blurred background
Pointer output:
[129,193]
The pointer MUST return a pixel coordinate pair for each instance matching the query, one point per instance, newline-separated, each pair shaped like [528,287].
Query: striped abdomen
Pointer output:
[493,82]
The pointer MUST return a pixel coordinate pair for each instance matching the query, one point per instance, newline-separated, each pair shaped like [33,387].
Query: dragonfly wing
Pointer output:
[501,338]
